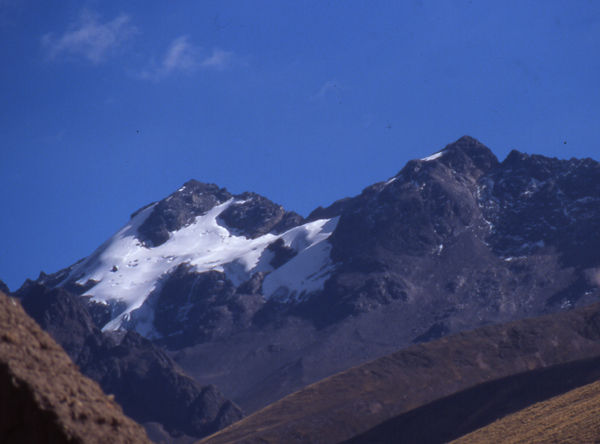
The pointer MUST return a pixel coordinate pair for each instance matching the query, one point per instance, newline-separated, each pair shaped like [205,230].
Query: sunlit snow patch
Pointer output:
[128,272]
[393,179]
[308,271]
[434,156]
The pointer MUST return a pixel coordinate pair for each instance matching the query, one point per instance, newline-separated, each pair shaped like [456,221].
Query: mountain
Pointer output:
[262,302]
[43,398]
[437,391]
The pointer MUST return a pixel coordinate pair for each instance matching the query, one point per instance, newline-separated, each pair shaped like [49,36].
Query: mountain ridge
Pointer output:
[454,241]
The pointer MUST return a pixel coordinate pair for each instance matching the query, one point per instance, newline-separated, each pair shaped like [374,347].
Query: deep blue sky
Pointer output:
[106,106]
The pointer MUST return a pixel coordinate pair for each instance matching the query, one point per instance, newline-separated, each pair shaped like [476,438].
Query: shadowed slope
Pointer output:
[572,418]
[347,404]
[43,397]
[456,415]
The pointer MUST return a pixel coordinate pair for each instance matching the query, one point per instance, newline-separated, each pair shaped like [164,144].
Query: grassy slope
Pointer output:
[570,418]
[456,415]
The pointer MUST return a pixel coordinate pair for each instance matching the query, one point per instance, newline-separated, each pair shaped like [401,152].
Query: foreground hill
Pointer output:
[571,418]
[351,403]
[453,416]
[43,398]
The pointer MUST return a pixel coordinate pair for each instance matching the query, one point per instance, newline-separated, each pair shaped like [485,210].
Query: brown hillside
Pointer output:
[44,398]
[350,403]
[570,418]
[451,417]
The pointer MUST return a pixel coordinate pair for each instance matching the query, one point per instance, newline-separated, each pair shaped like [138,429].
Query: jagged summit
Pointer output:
[479,154]
[253,215]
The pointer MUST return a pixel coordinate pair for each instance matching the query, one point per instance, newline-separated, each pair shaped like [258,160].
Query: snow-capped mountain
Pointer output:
[261,302]
[124,271]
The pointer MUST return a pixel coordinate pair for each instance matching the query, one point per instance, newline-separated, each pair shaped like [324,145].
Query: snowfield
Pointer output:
[127,272]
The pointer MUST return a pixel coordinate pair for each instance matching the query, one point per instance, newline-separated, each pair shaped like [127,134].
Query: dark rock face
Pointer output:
[281,253]
[146,382]
[534,201]
[43,398]
[151,388]
[255,216]
[425,204]
[66,319]
[506,239]
[195,307]
[180,208]
[251,216]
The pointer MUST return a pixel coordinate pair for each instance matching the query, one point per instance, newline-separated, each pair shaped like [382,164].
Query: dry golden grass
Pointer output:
[572,418]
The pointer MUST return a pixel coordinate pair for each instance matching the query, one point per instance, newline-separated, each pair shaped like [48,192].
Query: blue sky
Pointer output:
[107,106]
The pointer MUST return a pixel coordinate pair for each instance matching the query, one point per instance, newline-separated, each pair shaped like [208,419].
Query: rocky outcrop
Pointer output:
[194,307]
[43,397]
[66,318]
[152,388]
[255,215]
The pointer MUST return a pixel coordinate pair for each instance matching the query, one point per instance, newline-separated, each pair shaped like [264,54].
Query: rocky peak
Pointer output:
[468,154]
[532,201]
[465,161]
[251,215]
[429,201]
[179,209]
[254,215]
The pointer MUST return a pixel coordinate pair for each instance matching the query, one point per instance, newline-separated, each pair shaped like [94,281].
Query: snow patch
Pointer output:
[393,179]
[434,156]
[129,272]
[306,272]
